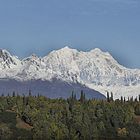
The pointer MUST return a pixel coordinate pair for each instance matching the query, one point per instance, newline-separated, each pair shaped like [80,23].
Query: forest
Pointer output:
[38,117]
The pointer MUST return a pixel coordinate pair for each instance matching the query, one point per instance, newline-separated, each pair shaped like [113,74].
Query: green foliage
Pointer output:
[5,132]
[68,119]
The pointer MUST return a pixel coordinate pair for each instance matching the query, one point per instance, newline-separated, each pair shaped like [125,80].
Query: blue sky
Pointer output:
[39,26]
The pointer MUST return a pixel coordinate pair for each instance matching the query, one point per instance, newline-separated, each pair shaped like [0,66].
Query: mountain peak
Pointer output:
[64,51]
[34,56]
[4,52]
[97,50]
[102,53]
[7,60]
[67,49]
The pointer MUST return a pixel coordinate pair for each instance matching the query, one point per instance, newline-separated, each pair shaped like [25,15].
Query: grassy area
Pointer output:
[8,118]
[15,126]
[22,125]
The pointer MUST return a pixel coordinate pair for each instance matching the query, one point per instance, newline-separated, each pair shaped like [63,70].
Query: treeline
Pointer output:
[72,119]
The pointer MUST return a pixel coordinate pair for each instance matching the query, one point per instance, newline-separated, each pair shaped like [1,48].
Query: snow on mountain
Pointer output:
[95,69]
[34,68]
[63,63]
[6,60]
[9,65]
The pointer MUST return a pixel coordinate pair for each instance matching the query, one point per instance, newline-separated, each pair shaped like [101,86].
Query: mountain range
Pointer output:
[66,70]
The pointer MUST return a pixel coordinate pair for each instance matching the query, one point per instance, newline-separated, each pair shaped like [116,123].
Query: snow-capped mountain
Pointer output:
[95,69]
[9,65]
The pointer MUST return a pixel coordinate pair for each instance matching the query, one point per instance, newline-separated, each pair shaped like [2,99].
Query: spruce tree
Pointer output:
[136,99]
[30,93]
[131,99]
[111,98]
[82,97]
[121,99]
[75,97]
[124,100]
[128,99]
[72,96]
[14,94]
[108,99]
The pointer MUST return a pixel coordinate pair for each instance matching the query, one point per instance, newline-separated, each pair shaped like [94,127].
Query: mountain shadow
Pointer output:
[51,89]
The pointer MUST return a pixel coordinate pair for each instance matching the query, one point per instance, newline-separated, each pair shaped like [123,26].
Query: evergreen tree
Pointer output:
[136,99]
[38,95]
[2,95]
[82,97]
[111,98]
[75,97]
[121,99]
[14,94]
[25,100]
[128,99]
[108,98]
[30,93]
[124,100]
[72,96]
[131,99]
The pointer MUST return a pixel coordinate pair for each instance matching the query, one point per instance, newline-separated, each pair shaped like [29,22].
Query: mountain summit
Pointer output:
[95,69]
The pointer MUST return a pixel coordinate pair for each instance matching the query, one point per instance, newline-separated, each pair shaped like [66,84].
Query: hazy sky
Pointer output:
[39,26]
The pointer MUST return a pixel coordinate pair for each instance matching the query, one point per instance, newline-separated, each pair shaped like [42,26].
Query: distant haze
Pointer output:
[29,26]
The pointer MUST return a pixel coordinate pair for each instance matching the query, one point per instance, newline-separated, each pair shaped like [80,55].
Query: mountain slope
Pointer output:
[52,89]
[95,69]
